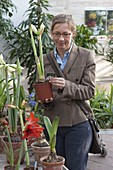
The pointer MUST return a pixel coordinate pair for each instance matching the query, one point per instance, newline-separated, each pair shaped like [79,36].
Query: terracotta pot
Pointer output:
[9,167]
[43,91]
[16,150]
[52,165]
[1,145]
[39,152]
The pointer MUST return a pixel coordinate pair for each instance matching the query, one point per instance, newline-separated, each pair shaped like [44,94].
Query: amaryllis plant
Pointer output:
[8,149]
[30,129]
[38,59]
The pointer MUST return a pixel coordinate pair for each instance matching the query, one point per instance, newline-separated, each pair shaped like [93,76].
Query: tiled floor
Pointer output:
[96,161]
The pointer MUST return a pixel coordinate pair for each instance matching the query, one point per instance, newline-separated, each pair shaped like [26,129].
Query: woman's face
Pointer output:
[62,36]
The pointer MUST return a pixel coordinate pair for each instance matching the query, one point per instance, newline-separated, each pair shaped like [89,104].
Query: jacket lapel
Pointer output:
[72,57]
[71,60]
[59,71]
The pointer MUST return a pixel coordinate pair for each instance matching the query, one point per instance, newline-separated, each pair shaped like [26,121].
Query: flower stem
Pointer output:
[25,142]
[11,148]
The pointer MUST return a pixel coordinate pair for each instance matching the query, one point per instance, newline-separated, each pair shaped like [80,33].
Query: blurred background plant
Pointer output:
[6,12]
[84,38]
[102,105]
[109,55]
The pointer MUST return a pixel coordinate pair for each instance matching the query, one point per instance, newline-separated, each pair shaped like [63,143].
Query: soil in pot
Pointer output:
[43,91]
[57,165]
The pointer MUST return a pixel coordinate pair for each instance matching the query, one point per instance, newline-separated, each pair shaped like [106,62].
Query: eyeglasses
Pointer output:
[57,35]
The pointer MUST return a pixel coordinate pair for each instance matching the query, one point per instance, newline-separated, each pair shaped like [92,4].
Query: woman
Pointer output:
[73,84]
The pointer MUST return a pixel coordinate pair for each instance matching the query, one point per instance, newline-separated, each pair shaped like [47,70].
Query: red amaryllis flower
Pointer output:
[31,119]
[32,132]
[32,129]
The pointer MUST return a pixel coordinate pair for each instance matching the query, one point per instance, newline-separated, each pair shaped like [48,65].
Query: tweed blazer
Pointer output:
[79,73]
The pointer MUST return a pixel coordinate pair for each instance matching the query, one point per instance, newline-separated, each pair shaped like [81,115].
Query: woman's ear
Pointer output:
[74,34]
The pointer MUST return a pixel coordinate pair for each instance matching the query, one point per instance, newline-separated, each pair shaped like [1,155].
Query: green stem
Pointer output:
[25,142]
[11,148]
[17,93]
[34,47]
[8,100]
[41,57]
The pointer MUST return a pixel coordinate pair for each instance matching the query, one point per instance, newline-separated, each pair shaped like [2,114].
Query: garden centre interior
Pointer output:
[93,20]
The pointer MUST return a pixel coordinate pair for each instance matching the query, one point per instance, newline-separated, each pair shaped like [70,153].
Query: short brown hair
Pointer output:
[63,18]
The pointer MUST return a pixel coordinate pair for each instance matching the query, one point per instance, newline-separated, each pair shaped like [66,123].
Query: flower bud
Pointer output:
[41,29]
[33,28]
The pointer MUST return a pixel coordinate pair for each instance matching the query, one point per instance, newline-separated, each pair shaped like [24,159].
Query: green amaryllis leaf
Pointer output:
[48,125]
[55,126]
[53,144]
[52,130]
[19,70]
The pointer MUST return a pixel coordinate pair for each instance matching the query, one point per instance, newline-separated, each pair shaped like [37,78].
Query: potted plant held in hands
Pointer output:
[52,161]
[42,87]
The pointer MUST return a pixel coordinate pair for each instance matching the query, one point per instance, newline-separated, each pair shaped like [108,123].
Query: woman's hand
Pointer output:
[58,82]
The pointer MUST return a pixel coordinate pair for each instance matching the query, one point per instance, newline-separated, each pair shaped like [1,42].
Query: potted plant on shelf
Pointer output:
[31,129]
[40,148]
[9,150]
[15,94]
[3,99]
[52,161]
[42,87]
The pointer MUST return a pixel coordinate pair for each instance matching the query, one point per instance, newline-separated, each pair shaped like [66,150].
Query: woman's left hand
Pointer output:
[58,82]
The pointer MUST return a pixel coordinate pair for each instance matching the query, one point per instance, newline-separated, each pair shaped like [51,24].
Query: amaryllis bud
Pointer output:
[33,28]
[10,106]
[1,59]
[24,103]
[41,29]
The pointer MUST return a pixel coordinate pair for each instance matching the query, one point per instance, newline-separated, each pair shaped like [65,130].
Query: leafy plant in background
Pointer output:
[6,12]
[109,55]
[14,90]
[102,105]
[19,42]
[84,38]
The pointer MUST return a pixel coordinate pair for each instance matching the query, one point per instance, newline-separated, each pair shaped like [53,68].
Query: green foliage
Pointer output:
[52,131]
[84,38]
[6,12]
[109,56]
[3,96]
[102,105]
[19,41]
